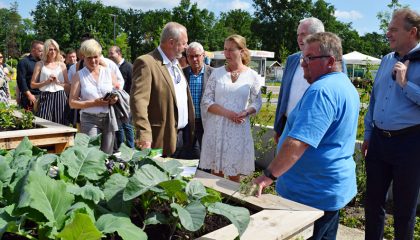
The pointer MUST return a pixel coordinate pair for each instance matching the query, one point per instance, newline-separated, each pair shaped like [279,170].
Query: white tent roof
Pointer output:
[360,58]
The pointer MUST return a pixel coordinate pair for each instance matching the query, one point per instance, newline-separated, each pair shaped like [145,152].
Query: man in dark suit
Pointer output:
[25,68]
[197,74]
[126,69]
[160,100]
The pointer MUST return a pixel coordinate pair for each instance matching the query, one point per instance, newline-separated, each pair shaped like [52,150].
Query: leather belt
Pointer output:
[393,133]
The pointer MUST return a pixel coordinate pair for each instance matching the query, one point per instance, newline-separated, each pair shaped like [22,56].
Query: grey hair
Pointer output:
[329,44]
[314,25]
[172,30]
[195,45]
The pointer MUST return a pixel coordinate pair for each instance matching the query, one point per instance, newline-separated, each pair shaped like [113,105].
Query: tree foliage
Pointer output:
[272,27]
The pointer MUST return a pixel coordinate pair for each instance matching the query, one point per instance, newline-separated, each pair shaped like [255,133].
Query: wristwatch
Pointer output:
[268,174]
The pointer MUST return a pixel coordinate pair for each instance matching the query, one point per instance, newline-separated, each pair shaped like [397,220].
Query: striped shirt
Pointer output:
[196,86]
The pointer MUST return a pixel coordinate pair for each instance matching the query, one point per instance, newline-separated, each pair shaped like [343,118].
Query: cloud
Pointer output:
[144,5]
[215,6]
[348,15]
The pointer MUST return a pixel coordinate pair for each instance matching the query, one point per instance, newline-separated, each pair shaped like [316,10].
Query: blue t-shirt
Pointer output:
[326,119]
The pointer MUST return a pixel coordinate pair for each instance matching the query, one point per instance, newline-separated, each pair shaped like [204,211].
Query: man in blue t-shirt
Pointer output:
[314,164]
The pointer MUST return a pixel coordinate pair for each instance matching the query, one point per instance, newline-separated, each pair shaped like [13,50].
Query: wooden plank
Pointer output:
[270,225]
[49,134]
[280,219]
[266,201]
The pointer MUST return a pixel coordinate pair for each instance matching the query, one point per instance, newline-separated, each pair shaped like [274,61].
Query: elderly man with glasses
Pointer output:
[197,74]
[314,164]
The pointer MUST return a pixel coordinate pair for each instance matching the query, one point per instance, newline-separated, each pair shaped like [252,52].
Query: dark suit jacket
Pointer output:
[153,103]
[126,70]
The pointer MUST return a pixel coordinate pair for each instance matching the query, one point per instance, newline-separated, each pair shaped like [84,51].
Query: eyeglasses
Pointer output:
[310,58]
[195,56]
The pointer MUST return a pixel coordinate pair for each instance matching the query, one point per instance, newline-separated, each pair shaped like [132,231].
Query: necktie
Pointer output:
[177,76]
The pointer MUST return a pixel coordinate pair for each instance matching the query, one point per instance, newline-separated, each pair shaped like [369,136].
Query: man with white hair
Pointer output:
[197,74]
[160,100]
[293,83]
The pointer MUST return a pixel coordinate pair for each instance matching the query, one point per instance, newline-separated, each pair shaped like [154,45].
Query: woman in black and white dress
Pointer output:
[50,76]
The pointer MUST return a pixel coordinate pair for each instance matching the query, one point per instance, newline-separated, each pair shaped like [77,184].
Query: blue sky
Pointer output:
[362,13]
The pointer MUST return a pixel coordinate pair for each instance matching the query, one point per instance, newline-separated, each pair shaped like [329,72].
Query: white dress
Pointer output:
[228,146]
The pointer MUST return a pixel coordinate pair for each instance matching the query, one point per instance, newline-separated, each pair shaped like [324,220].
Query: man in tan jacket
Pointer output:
[161,103]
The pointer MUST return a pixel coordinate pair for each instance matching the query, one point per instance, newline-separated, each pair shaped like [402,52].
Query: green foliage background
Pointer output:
[271,27]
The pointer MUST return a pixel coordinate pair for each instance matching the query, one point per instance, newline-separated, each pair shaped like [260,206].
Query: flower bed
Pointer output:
[46,134]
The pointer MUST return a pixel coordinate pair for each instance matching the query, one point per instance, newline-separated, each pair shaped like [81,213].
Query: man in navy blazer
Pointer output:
[293,84]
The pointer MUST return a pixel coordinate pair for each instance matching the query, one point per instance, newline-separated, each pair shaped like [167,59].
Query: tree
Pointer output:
[240,22]
[199,22]
[277,24]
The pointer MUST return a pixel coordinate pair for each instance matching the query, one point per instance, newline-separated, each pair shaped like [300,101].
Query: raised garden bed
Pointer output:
[276,217]
[50,135]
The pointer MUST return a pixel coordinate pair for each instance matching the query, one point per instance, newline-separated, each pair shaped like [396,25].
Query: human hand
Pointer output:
[364,149]
[143,144]
[400,70]
[113,100]
[101,102]
[276,138]
[262,182]
[31,98]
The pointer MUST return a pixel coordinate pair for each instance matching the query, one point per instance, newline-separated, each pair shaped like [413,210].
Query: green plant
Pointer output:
[10,121]
[81,194]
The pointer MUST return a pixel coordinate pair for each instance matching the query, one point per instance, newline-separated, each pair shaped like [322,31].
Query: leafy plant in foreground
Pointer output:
[75,196]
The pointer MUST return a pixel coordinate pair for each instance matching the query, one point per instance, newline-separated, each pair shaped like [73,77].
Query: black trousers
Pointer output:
[393,159]
[189,148]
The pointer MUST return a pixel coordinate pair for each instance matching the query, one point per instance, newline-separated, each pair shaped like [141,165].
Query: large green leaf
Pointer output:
[127,153]
[48,196]
[81,227]
[44,162]
[155,218]
[24,148]
[239,216]
[83,161]
[88,192]
[6,172]
[120,223]
[113,190]
[173,167]
[80,207]
[81,140]
[7,222]
[171,187]
[192,216]
[195,190]
[142,180]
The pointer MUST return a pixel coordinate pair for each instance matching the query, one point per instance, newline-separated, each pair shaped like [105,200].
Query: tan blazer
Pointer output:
[153,103]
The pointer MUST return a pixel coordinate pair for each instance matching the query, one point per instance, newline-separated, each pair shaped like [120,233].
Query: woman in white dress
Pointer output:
[232,94]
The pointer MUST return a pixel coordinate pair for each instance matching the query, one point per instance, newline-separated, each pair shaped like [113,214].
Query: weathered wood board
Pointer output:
[48,134]
[279,219]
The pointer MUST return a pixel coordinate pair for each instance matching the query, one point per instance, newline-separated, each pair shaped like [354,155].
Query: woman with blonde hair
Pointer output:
[50,76]
[232,94]
[89,92]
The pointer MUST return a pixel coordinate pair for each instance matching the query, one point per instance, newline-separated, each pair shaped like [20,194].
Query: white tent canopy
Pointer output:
[360,58]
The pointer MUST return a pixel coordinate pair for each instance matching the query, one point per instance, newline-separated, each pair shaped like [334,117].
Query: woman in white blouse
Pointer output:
[232,94]
[50,76]
[88,89]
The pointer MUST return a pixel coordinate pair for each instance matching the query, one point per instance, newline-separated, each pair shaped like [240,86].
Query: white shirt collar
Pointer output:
[165,59]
